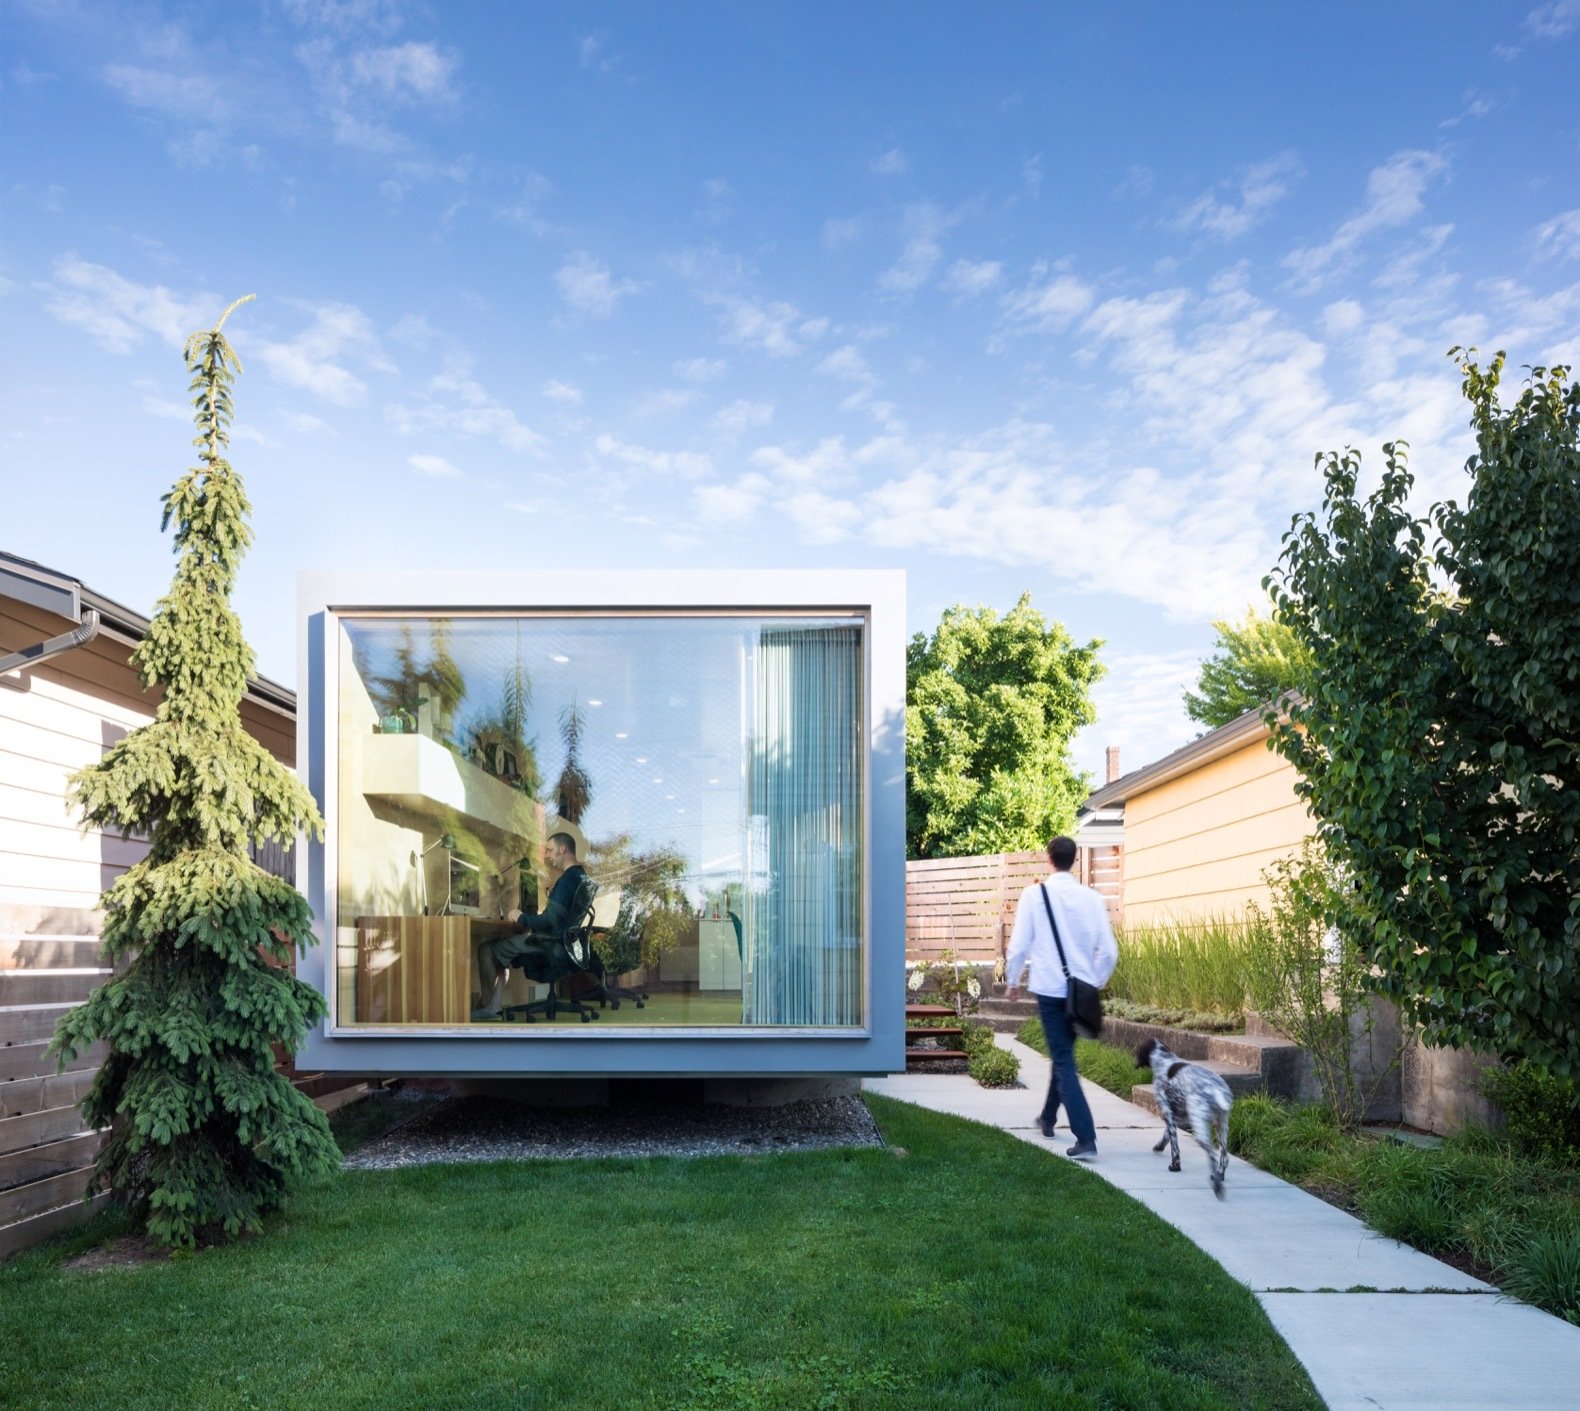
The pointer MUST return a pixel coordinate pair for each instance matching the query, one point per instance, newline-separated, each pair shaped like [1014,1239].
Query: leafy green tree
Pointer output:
[205,1135]
[991,705]
[1438,745]
[1255,661]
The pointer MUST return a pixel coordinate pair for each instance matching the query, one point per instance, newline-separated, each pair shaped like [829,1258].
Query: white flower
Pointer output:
[917,980]
[974,987]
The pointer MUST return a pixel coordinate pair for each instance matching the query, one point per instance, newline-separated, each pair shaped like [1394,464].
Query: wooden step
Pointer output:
[933,1055]
[929,1011]
[924,1032]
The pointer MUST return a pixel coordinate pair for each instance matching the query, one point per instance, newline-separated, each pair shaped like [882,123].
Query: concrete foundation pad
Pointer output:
[1429,1352]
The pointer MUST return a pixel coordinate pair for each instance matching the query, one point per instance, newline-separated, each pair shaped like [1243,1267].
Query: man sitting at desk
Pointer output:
[538,930]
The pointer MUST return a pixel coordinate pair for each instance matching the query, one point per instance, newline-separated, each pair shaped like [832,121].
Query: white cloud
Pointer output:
[776,327]
[665,401]
[1559,238]
[849,365]
[891,163]
[1393,197]
[740,416]
[557,391]
[524,209]
[732,504]
[688,465]
[304,423]
[924,227]
[588,287]
[407,71]
[455,402]
[1251,196]
[718,201]
[1554,20]
[315,359]
[164,91]
[1049,302]
[842,230]
[435,467]
[970,278]
[698,369]
[592,52]
[1140,708]
[118,313]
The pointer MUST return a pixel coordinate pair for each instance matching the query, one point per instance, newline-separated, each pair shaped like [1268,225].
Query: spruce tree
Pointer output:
[205,1135]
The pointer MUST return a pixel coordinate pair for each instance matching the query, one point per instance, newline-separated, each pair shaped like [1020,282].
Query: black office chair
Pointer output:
[554,959]
[617,951]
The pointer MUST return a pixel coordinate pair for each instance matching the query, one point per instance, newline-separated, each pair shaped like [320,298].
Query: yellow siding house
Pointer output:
[1202,824]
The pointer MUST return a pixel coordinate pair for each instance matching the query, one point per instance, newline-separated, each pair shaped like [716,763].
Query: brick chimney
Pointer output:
[1113,763]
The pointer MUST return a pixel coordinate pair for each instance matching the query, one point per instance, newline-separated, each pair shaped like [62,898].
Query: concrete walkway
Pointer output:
[1376,1324]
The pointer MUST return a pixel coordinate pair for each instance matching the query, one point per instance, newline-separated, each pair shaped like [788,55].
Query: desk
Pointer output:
[419,969]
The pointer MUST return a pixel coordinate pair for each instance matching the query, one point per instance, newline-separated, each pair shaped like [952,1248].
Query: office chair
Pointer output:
[554,958]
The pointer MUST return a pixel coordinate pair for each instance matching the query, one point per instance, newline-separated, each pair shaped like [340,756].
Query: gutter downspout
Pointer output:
[55,646]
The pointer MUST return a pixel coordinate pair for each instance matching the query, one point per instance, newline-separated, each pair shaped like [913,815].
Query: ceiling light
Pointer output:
[593,702]
[621,734]
[641,759]
[559,657]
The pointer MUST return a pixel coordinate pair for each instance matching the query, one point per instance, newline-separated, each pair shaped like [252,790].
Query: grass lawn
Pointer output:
[959,1267]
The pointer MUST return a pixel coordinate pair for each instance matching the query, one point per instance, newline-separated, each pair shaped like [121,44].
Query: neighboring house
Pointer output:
[1199,826]
[67,693]
[740,735]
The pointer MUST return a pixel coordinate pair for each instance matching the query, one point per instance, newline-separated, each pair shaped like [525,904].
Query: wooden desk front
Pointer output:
[419,969]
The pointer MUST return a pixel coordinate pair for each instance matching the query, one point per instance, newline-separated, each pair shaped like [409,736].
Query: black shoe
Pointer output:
[1046,1127]
[1082,1149]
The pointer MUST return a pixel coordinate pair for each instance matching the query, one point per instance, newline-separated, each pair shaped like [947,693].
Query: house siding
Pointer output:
[1197,845]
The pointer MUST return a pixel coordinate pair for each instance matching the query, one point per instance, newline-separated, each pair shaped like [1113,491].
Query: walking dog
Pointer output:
[1194,1098]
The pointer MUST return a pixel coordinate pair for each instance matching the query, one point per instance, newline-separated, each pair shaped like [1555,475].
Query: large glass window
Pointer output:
[643,822]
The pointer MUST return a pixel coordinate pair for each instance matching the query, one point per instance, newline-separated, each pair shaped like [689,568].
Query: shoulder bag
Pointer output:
[1083,1002]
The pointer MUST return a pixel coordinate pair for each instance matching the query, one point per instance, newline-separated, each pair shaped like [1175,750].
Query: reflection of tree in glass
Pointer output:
[573,789]
[654,909]
[436,683]
[443,675]
[497,737]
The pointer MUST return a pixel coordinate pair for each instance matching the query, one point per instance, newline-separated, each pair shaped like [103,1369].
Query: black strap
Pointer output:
[1048,905]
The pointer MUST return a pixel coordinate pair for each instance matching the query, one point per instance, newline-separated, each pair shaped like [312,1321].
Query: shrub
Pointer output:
[1109,1067]
[1186,966]
[994,1067]
[1541,1110]
[1544,1269]
[1197,1020]
[1030,1033]
[976,1038]
[1310,981]
[952,982]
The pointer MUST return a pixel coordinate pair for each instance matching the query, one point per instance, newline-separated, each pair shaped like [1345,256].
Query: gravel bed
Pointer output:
[497,1129]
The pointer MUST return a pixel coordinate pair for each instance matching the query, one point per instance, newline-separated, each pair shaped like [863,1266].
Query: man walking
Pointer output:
[1091,953]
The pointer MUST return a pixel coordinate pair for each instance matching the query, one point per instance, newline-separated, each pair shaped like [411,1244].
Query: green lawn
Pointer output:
[960,1267]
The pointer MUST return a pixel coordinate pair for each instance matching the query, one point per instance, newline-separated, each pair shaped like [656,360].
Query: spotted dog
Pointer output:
[1194,1098]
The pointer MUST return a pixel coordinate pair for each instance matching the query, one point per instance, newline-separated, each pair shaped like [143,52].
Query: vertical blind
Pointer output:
[802,942]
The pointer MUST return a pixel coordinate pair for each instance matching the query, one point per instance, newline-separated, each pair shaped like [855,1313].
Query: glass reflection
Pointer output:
[640,821]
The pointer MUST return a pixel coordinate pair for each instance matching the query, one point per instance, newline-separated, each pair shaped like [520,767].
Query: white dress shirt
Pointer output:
[1089,944]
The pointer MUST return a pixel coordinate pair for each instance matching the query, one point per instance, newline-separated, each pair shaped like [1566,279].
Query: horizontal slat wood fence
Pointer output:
[967,904]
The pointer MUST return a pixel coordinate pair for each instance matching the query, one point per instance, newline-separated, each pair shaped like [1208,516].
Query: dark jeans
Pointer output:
[1064,1083]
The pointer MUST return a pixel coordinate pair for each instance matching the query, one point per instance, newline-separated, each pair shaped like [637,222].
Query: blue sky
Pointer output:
[1049,298]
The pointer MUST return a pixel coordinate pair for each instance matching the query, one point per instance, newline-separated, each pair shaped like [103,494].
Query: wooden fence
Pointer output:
[967,904]
[46,1149]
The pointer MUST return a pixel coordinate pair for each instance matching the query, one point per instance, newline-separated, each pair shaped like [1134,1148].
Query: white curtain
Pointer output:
[802,951]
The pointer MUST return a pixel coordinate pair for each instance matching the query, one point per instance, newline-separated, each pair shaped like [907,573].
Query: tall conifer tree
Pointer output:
[205,1135]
